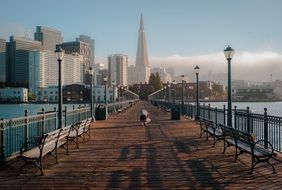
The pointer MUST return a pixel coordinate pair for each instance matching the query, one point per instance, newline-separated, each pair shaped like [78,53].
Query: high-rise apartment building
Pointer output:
[87,39]
[2,60]
[81,48]
[142,66]
[48,37]
[117,67]
[18,58]
[43,70]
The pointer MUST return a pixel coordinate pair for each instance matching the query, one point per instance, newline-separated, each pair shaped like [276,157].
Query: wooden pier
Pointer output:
[123,154]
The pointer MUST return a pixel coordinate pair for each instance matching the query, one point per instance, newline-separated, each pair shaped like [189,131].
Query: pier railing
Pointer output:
[262,126]
[17,131]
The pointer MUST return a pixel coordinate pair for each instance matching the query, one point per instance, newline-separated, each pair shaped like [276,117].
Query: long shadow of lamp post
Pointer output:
[197,69]
[91,72]
[59,55]
[229,52]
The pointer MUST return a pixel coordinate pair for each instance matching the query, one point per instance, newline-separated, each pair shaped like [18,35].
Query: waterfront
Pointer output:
[273,108]
[8,111]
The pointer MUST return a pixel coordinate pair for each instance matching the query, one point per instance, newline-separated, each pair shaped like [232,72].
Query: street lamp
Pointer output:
[165,94]
[105,98]
[174,89]
[229,52]
[59,55]
[197,69]
[168,89]
[91,72]
[114,95]
[182,93]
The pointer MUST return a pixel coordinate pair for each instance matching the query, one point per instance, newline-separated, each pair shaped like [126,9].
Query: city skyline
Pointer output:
[180,34]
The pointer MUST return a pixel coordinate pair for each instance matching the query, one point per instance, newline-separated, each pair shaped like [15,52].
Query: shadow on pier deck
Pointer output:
[125,155]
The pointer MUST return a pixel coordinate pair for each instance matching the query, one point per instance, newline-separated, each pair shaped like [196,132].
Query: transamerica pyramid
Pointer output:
[142,61]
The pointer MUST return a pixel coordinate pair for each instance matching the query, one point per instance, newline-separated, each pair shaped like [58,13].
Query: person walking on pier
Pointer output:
[144,117]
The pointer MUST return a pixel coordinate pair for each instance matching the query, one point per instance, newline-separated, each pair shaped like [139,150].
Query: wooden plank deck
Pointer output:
[122,154]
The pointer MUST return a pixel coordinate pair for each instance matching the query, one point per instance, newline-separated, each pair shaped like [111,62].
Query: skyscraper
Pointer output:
[18,58]
[117,66]
[142,61]
[2,60]
[81,48]
[48,37]
[90,41]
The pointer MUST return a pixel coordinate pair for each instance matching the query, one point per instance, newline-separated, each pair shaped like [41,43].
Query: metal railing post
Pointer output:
[55,120]
[2,155]
[224,118]
[73,114]
[235,117]
[209,111]
[215,115]
[43,122]
[26,127]
[248,120]
[265,129]
[65,116]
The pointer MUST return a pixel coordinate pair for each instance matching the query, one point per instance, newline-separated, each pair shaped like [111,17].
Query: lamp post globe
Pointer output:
[197,71]
[229,52]
[59,55]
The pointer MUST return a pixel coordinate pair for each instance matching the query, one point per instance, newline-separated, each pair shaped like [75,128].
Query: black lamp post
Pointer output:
[91,72]
[165,93]
[229,52]
[168,89]
[114,98]
[182,92]
[105,98]
[174,89]
[197,69]
[59,55]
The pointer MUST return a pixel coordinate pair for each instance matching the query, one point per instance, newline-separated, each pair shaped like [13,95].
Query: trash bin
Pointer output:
[101,112]
[175,113]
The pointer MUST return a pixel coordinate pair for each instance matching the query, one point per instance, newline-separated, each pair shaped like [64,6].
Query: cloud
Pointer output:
[14,29]
[255,66]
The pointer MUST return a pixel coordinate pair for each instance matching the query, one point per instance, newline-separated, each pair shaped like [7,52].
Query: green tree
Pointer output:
[158,82]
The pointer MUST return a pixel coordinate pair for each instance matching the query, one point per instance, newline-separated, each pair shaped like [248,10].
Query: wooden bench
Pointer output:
[211,130]
[33,152]
[260,151]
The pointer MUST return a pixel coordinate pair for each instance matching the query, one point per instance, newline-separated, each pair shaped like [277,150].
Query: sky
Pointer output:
[179,33]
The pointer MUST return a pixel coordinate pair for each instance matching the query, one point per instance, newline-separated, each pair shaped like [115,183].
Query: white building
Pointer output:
[117,66]
[99,94]
[47,94]
[43,69]
[14,94]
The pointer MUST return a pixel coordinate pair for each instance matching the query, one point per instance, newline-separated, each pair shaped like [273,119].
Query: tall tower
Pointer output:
[142,61]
